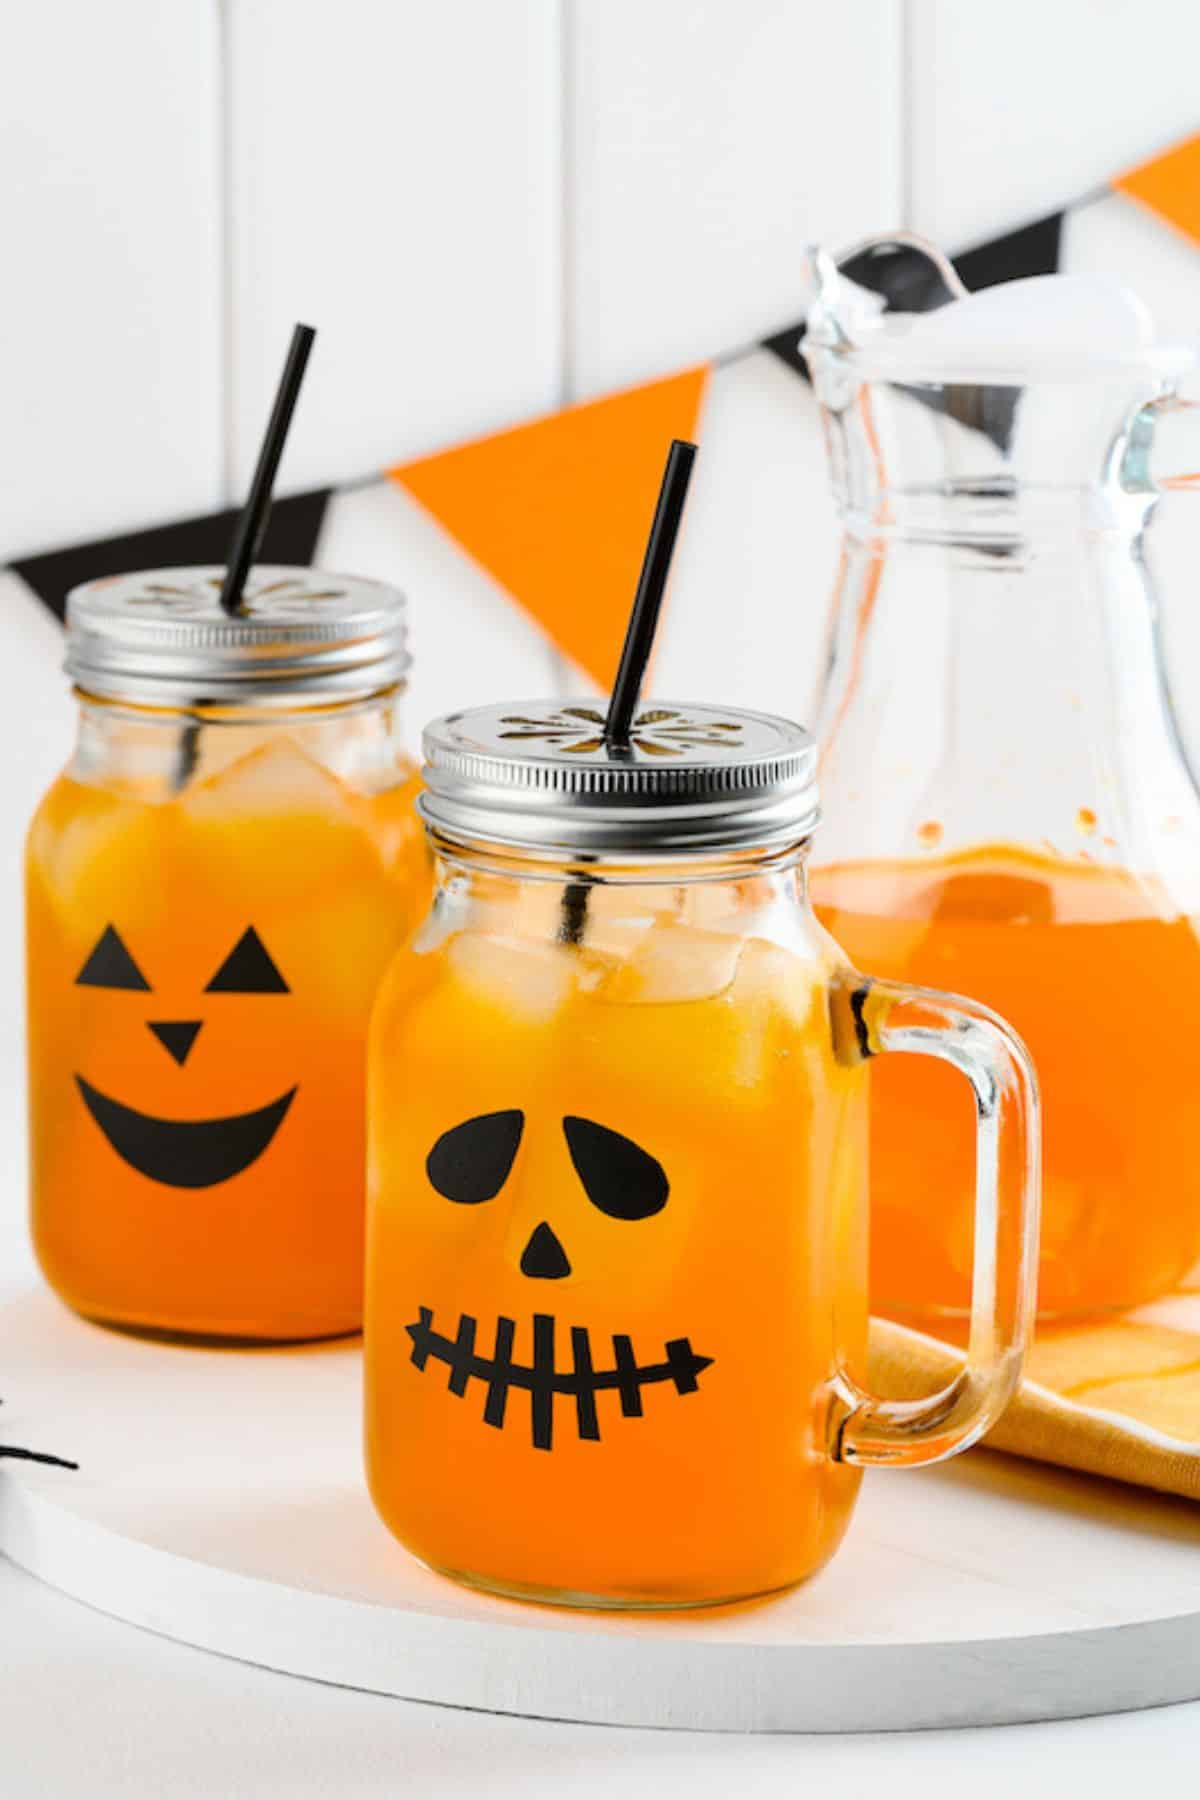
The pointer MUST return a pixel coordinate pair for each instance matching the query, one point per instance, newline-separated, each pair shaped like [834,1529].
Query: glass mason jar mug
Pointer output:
[215,885]
[616,1309]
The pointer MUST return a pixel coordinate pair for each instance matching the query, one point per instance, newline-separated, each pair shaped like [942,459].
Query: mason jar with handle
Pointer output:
[616,1315]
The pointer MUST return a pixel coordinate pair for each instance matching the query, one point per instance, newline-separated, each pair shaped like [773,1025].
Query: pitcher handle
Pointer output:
[890,1016]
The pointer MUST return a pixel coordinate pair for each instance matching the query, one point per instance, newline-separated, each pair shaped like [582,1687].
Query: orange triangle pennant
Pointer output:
[1170,186]
[559,511]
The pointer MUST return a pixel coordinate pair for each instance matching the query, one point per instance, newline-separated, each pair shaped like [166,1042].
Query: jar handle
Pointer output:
[890,1016]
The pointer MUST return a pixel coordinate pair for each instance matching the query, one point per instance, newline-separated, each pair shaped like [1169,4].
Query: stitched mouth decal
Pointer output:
[543,1380]
[185,1153]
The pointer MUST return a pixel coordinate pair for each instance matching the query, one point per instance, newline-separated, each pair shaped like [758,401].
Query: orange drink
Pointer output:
[617,1232]
[211,903]
[685,1162]
[1102,979]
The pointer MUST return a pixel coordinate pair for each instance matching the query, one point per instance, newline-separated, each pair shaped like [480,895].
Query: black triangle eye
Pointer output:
[621,1178]
[111,966]
[248,969]
[471,1162]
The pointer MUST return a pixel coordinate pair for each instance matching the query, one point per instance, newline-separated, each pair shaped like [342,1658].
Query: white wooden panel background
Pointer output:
[491,207]
[111,247]
[395,181]
[1015,110]
[707,142]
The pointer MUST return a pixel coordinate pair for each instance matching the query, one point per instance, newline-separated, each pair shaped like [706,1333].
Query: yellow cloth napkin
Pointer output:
[1119,1398]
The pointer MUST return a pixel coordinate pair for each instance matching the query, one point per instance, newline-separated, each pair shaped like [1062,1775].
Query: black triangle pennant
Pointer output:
[292,533]
[1033,250]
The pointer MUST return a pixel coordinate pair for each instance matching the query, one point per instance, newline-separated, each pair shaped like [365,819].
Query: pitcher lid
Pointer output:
[536,775]
[1067,326]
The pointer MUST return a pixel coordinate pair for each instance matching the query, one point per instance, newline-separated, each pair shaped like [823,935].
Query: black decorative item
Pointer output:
[248,969]
[15,1453]
[111,966]
[615,736]
[619,1177]
[543,1379]
[543,1258]
[647,601]
[291,537]
[253,520]
[471,1163]
[183,1153]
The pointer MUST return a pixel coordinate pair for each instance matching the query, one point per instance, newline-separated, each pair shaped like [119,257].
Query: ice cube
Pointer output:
[102,858]
[525,979]
[783,981]
[674,964]
[278,777]
[611,939]
[774,998]
[274,827]
[390,818]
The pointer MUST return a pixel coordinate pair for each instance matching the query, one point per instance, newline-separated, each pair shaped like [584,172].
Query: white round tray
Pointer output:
[220,1501]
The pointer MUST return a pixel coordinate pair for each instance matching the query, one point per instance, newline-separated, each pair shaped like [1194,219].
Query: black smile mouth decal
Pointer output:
[543,1380]
[185,1153]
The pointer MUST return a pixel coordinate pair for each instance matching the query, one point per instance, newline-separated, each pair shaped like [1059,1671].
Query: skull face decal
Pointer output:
[183,1153]
[469,1166]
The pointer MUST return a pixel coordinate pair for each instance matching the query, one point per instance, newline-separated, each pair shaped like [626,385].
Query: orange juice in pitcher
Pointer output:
[1009,809]
[215,886]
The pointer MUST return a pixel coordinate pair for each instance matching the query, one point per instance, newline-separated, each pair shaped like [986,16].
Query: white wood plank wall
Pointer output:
[491,207]
[488,206]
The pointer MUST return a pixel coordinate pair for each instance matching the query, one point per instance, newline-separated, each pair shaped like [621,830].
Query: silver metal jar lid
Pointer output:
[160,638]
[535,776]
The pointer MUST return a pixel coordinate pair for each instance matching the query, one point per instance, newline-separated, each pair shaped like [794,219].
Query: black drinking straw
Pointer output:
[253,521]
[639,642]
[647,602]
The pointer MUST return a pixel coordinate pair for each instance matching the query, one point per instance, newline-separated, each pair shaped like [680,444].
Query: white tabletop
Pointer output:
[93,1708]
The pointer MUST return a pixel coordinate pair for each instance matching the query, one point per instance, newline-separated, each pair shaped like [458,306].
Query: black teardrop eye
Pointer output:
[111,966]
[471,1162]
[621,1178]
[248,969]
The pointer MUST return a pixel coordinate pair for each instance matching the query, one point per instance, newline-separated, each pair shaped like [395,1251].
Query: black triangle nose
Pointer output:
[544,1257]
[176,1036]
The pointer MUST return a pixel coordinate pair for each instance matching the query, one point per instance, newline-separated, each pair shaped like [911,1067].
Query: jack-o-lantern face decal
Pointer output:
[469,1165]
[183,1153]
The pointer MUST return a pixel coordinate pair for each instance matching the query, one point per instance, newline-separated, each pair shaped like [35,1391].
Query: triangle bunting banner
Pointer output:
[1169,186]
[558,511]
[555,512]
[291,537]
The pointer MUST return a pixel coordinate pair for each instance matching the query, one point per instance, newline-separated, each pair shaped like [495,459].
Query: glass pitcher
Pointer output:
[616,1301]
[1010,810]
